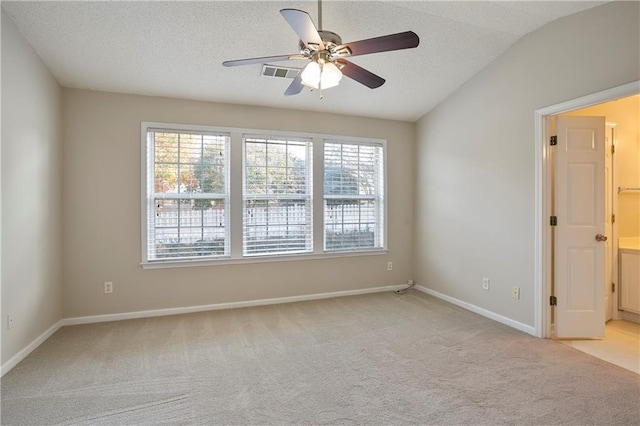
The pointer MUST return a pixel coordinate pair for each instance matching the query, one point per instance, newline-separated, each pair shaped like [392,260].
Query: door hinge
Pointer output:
[613,218]
[613,149]
[553,301]
[613,287]
[553,141]
[553,220]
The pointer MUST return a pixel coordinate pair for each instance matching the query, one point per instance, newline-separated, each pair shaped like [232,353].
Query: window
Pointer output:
[225,195]
[353,196]
[187,194]
[277,211]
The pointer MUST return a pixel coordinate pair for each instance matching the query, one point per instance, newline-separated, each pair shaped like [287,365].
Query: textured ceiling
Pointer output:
[175,49]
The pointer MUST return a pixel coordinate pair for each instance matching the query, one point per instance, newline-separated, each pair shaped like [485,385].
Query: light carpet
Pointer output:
[372,359]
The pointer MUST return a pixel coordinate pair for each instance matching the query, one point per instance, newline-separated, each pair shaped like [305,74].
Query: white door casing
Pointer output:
[580,211]
[608,222]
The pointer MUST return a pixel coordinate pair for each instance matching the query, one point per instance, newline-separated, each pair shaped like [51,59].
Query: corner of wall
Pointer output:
[31,253]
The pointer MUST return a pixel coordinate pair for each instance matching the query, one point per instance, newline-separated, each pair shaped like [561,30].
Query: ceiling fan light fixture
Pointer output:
[311,75]
[330,76]
[323,76]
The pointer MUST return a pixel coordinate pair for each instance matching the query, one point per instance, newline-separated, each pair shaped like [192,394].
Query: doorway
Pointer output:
[620,345]
[544,197]
[621,205]
[622,201]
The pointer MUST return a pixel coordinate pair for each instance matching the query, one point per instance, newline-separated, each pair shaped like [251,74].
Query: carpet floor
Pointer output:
[372,359]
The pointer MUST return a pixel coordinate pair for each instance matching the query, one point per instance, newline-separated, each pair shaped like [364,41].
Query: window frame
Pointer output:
[147,183]
[379,199]
[308,196]
[235,184]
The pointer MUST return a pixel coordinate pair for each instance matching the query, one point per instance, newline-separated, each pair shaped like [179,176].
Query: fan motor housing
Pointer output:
[329,39]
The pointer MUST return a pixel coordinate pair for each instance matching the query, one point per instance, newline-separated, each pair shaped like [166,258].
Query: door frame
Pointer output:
[615,315]
[543,192]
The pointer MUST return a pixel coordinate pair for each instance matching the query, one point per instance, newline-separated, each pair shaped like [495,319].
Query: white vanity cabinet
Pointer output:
[629,259]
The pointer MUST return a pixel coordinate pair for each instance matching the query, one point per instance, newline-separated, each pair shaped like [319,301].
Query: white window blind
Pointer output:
[277,195]
[353,196]
[187,194]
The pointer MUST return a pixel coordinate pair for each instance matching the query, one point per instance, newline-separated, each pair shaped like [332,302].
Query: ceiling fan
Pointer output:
[326,54]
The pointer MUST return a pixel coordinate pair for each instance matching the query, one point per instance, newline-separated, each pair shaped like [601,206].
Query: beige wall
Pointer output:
[475,155]
[102,191]
[31,194]
[626,114]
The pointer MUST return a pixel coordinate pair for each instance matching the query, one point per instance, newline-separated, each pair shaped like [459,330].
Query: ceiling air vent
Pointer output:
[280,72]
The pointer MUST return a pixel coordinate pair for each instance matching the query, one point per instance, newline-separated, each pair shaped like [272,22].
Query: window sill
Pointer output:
[258,259]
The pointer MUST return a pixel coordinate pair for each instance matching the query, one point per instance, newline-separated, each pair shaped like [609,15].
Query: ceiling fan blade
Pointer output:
[261,60]
[296,86]
[360,74]
[302,24]
[399,41]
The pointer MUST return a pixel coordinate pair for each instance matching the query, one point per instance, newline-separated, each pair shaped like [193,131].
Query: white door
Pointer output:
[580,210]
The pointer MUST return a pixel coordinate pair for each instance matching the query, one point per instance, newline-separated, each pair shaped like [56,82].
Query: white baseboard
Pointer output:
[216,306]
[7,366]
[630,316]
[480,311]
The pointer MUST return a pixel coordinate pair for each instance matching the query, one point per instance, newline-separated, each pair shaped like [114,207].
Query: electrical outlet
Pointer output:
[485,284]
[515,292]
[108,287]
[10,321]
[389,266]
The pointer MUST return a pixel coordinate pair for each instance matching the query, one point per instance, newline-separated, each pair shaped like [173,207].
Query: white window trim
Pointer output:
[236,198]
[383,198]
[146,185]
[307,196]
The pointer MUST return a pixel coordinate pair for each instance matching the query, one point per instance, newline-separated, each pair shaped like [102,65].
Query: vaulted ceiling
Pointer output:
[176,49]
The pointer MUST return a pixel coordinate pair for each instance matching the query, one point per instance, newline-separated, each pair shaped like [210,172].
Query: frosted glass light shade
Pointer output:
[321,76]
[311,75]
[330,76]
